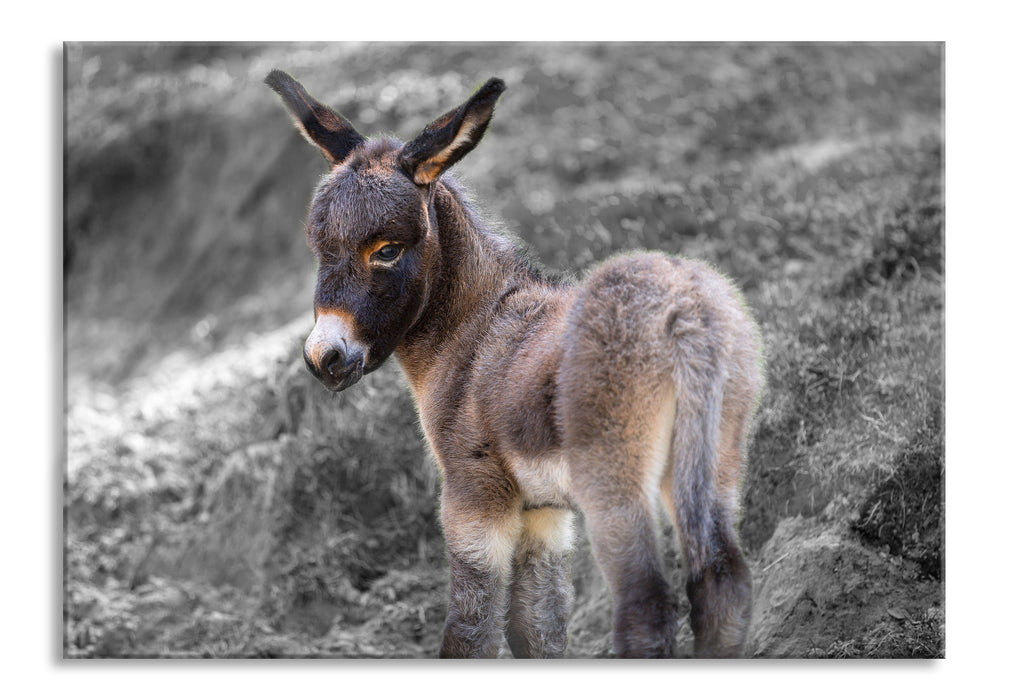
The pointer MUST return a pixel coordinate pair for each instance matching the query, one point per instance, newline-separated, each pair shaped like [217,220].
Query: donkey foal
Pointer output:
[538,397]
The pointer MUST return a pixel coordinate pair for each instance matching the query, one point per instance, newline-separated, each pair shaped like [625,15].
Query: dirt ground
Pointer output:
[220,503]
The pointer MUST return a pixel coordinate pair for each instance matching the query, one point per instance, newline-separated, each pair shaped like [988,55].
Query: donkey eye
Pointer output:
[387,253]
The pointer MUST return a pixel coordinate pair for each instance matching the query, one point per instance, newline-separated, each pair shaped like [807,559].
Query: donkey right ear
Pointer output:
[451,136]
[317,122]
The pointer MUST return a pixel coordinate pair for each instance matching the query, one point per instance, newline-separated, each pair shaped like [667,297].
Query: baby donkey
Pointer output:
[538,397]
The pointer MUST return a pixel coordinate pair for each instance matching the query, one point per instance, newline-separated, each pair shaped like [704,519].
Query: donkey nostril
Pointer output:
[332,361]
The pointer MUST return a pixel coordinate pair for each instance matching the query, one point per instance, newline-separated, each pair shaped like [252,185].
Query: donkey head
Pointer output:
[373,229]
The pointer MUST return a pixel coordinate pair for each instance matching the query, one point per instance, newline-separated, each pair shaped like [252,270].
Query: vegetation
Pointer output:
[219,502]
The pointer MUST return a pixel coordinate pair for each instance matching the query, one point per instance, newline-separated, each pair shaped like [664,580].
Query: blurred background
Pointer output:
[219,502]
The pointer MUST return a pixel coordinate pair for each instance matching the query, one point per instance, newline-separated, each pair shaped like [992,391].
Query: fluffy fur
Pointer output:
[633,388]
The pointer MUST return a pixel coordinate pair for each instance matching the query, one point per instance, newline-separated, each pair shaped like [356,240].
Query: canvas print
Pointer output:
[511,350]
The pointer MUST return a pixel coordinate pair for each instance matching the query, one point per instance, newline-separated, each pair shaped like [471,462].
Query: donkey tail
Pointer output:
[699,378]
[701,490]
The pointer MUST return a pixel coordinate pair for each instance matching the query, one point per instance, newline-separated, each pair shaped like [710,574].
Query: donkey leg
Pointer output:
[541,591]
[480,536]
[622,532]
[644,611]
[617,460]
[720,602]
[718,583]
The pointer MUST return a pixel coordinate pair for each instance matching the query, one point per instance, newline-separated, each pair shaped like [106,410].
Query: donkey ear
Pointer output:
[451,136]
[317,122]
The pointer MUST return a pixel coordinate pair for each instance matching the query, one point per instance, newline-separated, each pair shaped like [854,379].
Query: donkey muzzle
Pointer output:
[332,353]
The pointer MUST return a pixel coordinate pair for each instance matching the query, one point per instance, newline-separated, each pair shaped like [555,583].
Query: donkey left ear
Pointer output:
[324,127]
[451,136]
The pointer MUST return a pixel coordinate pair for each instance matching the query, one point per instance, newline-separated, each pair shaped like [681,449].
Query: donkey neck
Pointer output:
[477,267]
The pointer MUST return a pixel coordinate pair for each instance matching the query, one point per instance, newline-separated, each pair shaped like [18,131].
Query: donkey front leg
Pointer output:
[481,532]
[541,591]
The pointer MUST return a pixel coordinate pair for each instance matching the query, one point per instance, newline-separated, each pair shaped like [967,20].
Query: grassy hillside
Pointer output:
[220,503]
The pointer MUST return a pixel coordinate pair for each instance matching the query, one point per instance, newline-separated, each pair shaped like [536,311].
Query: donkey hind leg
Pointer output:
[481,545]
[623,538]
[615,485]
[720,602]
[541,590]
[704,512]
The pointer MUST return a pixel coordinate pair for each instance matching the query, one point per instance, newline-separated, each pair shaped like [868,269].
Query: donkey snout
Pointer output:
[333,353]
[337,367]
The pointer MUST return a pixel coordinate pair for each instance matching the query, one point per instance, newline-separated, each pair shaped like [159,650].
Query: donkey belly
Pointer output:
[544,482]
[514,388]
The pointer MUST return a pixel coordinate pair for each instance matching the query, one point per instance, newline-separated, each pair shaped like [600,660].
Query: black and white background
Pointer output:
[220,503]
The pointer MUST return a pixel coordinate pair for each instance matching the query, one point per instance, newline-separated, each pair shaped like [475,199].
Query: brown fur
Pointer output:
[635,387]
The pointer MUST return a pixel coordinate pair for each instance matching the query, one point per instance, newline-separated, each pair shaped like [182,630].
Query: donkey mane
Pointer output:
[483,259]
